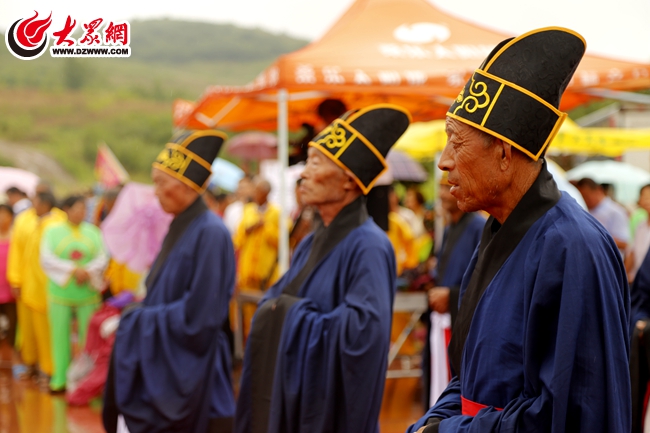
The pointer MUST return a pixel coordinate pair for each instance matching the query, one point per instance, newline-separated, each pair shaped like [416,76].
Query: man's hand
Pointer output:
[421,429]
[81,275]
[439,299]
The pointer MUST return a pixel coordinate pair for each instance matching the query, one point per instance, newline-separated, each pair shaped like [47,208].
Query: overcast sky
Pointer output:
[619,28]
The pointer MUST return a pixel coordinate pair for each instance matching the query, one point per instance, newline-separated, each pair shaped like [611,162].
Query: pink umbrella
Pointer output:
[253,145]
[135,228]
[22,179]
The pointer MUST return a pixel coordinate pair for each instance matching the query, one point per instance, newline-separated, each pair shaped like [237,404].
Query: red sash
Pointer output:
[471,408]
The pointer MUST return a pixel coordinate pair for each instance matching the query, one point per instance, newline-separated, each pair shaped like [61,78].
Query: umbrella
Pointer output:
[22,179]
[225,175]
[405,168]
[627,179]
[135,228]
[253,145]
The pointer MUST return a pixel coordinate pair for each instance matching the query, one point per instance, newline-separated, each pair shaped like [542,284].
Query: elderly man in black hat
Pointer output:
[540,343]
[171,366]
[316,357]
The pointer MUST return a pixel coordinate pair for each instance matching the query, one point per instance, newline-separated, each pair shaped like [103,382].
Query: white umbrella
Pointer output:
[627,179]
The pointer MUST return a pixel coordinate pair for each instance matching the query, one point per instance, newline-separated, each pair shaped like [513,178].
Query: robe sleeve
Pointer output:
[331,366]
[57,269]
[575,349]
[163,353]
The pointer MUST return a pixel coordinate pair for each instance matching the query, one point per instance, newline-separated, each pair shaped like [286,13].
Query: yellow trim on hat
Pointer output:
[532,32]
[191,155]
[364,189]
[494,102]
[535,157]
[202,133]
[358,113]
[346,123]
[200,189]
[520,89]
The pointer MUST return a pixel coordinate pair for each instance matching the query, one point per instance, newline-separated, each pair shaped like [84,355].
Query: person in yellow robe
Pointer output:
[24,224]
[256,241]
[400,235]
[28,280]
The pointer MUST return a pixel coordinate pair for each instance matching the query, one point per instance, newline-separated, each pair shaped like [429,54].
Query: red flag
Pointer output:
[108,170]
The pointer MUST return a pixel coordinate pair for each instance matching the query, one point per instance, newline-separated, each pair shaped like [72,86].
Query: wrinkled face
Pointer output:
[174,196]
[323,181]
[76,213]
[473,165]
[447,200]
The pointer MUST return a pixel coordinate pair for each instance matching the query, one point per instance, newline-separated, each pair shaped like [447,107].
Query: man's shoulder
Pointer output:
[570,225]
[209,222]
[369,235]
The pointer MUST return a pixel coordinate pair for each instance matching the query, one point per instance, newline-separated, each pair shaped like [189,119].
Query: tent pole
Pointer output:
[283,155]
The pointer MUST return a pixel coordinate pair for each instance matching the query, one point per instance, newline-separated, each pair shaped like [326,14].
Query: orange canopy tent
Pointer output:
[405,52]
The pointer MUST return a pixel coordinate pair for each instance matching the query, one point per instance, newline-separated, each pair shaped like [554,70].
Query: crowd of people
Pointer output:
[529,325]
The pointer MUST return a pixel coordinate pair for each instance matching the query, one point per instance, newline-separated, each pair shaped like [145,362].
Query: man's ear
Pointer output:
[350,183]
[505,151]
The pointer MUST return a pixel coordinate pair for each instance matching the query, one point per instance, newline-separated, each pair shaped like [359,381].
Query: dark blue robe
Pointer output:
[548,342]
[172,356]
[331,361]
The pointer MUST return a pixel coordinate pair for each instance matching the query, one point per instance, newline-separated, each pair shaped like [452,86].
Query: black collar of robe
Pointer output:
[497,243]
[266,332]
[176,230]
[326,238]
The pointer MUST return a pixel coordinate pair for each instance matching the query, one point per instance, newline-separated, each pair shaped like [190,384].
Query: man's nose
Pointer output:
[446,162]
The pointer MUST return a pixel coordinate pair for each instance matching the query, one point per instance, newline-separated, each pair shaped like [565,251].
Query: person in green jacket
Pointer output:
[73,258]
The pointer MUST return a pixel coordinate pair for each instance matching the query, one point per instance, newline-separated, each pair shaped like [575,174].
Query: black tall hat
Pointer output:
[515,93]
[359,141]
[189,156]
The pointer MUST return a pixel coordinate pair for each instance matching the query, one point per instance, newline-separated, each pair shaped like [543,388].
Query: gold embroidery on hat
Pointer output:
[459,98]
[335,137]
[470,103]
[172,159]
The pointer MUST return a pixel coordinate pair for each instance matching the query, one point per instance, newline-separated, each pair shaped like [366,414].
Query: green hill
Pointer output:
[65,107]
